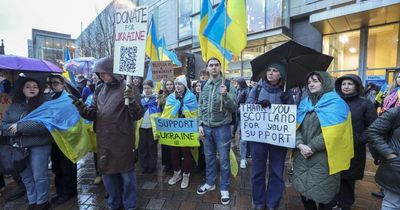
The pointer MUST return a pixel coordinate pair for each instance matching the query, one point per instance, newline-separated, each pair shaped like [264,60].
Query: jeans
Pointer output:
[391,201]
[121,187]
[218,139]
[35,175]
[267,195]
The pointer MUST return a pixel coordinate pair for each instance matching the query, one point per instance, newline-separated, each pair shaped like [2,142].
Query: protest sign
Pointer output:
[178,132]
[162,70]
[5,101]
[130,41]
[275,125]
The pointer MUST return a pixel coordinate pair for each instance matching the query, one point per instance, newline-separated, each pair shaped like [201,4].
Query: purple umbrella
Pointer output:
[18,63]
[82,65]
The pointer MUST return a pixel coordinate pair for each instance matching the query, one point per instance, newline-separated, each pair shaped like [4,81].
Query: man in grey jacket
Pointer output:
[214,118]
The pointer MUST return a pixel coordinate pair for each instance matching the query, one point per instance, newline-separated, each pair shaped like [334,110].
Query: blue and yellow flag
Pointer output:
[167,55]
[383,90]
[208,47]
[69,75]
[73,134]
[335,119]
[152,42]
[189,106]
[228,26]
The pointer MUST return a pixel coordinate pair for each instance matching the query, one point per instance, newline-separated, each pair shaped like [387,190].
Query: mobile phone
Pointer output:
[73,97]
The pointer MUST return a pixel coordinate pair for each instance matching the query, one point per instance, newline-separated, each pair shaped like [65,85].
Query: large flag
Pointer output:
[73,135]
[167,55]
[152,42]
[228,26]
[208,47]
[335,119]
[69,75]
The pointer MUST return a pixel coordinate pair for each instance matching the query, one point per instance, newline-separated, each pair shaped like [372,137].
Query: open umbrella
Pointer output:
[18,63]
[82,65]
[299,61]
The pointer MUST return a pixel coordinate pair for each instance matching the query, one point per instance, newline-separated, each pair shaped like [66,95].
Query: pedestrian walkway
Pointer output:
[155,193]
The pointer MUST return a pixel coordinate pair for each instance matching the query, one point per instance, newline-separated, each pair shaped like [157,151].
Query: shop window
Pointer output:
[196,28]
[383,46]
[184,19]
[344,48]
[274,13]
[337,74]
[255,15]
[252,52]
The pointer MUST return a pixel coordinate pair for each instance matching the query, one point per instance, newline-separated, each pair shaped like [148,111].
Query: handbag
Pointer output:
[388,174]
[12,159]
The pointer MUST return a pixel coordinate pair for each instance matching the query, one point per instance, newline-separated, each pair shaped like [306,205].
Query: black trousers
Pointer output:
[65,172]
[2,183]
[311,205]
[147,149]
[166,156]
[345,197]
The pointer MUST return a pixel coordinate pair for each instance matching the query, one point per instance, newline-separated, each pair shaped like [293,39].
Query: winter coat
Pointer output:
[114,123]
[311,176]
[30,133]
[242,92]
[267,92]
[210,104]
[363,113]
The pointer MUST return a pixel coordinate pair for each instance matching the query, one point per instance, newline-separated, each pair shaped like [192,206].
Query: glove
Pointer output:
[285,96]
[79,105]
[265,103]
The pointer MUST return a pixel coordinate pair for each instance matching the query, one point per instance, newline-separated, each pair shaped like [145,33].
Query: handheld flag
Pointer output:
[167,55]
[151,42]
[69,75]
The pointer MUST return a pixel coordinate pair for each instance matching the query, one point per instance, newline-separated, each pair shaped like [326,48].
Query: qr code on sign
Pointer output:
[127,61]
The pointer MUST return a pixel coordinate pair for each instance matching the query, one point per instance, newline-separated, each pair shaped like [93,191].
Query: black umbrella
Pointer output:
[299,61]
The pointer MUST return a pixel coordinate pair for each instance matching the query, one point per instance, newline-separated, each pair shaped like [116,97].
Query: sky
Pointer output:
[18,17]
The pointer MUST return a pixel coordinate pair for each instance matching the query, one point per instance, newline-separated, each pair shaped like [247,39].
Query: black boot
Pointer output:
[43,206]
[19,192]
[31,207]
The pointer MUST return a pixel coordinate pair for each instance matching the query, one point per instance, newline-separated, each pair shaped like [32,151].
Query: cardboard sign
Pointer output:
[275,126]
[178,132]
[162,70]
[130,41]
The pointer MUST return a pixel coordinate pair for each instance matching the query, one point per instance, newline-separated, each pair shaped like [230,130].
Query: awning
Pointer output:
[355,16]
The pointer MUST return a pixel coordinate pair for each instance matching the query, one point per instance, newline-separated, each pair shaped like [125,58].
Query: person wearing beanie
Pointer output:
[181,104]
[114,133]
[268,91]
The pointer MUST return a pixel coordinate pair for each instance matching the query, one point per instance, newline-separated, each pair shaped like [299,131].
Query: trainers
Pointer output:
[185,180]
[205,188]
[225,197]
[175,178]
[97,180]
[243,163]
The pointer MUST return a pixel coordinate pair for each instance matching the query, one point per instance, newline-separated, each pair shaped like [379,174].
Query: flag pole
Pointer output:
[223,60]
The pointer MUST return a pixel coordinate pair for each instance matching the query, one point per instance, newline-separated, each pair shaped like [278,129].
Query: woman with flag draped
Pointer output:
[181,104]
[393,98]
[324,141]
[33,136]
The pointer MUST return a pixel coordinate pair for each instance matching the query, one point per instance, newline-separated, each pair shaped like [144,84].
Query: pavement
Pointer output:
[155,193]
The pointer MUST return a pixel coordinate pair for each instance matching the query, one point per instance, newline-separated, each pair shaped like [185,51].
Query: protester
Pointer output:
[81,82]
[114,133]
[5,85]
[241,97]
[393,98]
[370,92]
[147,144]
[167,88]
[268,91]
[363,113]
[384,135]
[65,171]
[324,143]
[197,89]
[138,82]
[181,104]
[31,135]
[215,129]
[204,75]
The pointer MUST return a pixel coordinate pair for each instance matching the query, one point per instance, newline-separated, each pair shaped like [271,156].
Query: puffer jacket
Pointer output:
[363,113]
[210,104]
[30,133]
[311,176]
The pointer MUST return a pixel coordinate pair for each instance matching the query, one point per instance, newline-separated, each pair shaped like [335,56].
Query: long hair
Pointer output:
[34,102]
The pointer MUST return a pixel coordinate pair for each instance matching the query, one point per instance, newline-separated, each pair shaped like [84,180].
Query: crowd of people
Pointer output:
[125,134]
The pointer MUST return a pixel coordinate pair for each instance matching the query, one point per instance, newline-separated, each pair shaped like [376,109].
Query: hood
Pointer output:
[242,83]
[327,84]
[357,81]
[106,65]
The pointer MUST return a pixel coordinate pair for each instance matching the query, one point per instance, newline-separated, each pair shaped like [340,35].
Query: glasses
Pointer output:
[213,64]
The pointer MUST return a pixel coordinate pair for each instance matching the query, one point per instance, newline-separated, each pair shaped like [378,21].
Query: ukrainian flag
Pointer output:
[67,73]
[208,47]
[335,119]
[73,134]
[228,26]
[167,55]
[151,42]
[383,90]
[189,106]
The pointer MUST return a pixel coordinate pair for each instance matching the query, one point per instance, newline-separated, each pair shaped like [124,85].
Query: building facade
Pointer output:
[50,46]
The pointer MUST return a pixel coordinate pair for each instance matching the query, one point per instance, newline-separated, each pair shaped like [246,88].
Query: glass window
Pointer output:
[383,46]
[344,48]
[274,10]
[196,28]
[337,74]
[196,6]
[255,15]
[184,19]
[251,53]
